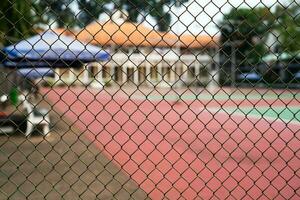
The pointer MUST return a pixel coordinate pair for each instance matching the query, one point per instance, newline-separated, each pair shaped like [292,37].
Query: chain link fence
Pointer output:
[156,99]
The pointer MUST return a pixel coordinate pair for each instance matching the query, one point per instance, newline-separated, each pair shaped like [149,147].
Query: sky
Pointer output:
[201,16]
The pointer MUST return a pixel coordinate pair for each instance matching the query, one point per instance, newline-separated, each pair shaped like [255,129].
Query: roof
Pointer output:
[58,31]
[62,31]
[133,34]
[200,41]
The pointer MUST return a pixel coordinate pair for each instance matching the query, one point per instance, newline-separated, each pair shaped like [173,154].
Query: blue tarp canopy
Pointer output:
[51,49]
[35,73]
[41,64]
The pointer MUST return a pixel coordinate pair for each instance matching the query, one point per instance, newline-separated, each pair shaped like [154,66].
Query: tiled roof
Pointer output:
[132,34]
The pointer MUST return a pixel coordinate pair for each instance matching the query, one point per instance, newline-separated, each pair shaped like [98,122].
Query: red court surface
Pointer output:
[194,149]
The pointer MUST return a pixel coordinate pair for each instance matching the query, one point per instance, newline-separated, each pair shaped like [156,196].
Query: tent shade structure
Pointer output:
[52,48]
[41,64]
[35,73]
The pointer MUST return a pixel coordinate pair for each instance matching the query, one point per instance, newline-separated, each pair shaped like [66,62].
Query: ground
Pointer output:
[218,142]
[64,164]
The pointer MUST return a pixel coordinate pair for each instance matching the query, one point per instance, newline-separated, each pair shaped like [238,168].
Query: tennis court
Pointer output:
[235,143]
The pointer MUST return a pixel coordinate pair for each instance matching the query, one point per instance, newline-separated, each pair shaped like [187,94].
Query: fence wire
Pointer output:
[153,99]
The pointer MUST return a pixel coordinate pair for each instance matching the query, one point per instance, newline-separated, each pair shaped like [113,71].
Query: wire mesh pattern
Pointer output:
[153,99]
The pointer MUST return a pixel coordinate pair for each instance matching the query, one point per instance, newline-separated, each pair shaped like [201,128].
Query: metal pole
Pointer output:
[233,65]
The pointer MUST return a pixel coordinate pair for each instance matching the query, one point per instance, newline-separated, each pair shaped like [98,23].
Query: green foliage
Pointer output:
[17,20]
[241,27]
[91,9]
[162,17]
[244,30]
[59,11]
[155,8]
[20,18]
[287,26]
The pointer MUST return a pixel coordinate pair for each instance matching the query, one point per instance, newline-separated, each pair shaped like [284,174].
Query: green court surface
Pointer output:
[285,114]
[221,95]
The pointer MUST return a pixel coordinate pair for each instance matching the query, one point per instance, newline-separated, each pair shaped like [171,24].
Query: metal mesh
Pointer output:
[149,99]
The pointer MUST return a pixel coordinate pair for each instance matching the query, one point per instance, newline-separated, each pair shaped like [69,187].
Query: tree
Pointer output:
[17,20]
[162,17]
[59,11]
[287,26]
[91,9]
[244,30]
[243,37]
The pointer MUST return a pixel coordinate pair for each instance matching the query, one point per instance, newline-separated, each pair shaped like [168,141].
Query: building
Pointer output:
[144,56]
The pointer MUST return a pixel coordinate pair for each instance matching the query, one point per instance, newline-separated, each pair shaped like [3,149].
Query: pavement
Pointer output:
[62,165]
